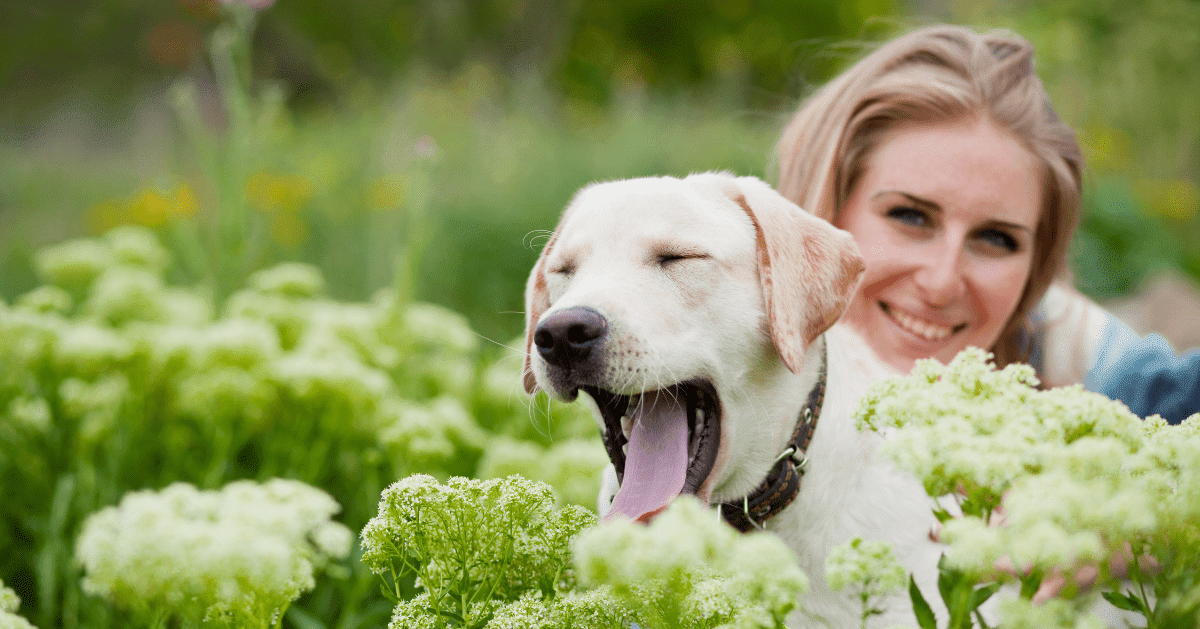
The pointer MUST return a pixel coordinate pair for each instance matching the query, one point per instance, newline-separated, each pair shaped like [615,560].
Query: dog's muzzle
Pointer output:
[662,442]
[568,341]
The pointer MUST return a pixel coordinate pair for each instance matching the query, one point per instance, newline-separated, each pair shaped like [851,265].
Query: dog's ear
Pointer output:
[537,301]
[808,268]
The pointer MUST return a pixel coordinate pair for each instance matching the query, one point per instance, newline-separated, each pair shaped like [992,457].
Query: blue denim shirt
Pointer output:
[1145,373]
[1076,341]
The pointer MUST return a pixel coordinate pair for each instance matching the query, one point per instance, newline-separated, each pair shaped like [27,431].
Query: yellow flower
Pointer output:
[150,207]
[153,208]
[387,193]
[270,192]
[1176,199]
[1107,148]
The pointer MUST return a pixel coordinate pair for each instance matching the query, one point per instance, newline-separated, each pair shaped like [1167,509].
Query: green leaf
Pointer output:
[925,617]
[389,594]
[303,620]
[1126,602]
[983,594]
[958,594]
[1030,584]
[948,580]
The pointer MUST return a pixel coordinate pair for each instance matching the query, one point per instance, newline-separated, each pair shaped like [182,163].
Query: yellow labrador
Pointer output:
[696,315]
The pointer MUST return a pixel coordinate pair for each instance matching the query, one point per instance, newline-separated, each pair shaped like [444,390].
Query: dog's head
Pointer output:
[673,303]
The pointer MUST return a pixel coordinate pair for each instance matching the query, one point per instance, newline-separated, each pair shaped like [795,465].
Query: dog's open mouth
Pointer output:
[663,443]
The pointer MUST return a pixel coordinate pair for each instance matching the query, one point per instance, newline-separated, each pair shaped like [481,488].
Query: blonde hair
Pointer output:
[932,75]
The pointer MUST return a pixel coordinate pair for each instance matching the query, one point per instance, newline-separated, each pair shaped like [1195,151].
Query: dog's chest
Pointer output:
[851,489]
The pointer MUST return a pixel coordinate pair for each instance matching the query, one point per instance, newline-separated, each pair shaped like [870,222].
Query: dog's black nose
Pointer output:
[566,338]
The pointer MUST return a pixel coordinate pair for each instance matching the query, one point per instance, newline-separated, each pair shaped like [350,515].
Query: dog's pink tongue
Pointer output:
[656,459]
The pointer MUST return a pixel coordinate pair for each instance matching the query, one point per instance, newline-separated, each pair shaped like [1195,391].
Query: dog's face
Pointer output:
[674,304]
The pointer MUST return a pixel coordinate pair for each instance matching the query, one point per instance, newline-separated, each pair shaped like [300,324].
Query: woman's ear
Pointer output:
[808,268]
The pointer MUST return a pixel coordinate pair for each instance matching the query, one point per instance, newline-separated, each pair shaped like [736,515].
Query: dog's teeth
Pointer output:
[627,425]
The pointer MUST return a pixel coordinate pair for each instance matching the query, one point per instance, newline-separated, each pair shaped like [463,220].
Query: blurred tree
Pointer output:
[55,49]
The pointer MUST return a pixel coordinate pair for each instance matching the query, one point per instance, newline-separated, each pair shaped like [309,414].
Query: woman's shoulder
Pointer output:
[1068,331]
[1082,343]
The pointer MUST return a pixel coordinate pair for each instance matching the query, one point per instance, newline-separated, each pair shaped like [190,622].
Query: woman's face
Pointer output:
[945,215]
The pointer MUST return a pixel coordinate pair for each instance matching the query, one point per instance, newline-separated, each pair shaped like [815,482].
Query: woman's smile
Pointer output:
[921,328]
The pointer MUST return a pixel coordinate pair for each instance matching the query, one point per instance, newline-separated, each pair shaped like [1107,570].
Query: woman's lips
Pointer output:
[920,327]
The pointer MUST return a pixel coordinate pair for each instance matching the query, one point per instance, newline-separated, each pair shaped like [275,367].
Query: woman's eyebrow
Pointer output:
[925,204]
[1013,226]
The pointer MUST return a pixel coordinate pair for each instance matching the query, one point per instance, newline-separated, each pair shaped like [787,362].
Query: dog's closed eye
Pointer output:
[666,259]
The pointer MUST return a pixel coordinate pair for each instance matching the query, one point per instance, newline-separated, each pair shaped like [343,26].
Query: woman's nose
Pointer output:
[941,278]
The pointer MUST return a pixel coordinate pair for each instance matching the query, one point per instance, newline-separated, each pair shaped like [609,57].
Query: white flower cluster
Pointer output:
[107,367]
[868,567]
[9,602]
[869,570]
[595,609]
[1053,614]
[570,466]
[240,554]
[1077,477]
[401,375]
[688,568]
[473,545]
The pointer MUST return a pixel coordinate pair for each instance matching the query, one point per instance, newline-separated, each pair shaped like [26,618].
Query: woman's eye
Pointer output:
[999,240]
[909,216]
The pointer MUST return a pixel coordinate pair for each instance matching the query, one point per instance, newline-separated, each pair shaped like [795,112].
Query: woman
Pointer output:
[941,154]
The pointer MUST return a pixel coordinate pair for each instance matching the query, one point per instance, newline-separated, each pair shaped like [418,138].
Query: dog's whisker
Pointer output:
[498,343]
[530,238]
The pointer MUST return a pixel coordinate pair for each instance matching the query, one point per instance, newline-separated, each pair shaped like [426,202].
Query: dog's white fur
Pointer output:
[748,308]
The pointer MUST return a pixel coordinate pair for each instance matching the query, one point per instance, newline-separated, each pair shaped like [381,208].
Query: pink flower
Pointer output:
[425,147]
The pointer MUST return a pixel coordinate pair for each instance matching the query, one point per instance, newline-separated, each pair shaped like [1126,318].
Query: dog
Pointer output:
[697,316]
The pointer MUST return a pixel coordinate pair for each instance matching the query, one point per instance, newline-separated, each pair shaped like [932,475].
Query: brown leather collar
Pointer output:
[782,484]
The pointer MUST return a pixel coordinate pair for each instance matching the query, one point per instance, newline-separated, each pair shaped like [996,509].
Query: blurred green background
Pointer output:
[426,144]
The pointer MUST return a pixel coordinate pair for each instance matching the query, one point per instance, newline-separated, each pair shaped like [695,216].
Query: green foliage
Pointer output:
[1081,483]
[585,50]
[1056,613]
[112,379]
[688,569]
[9,602]
[440,179]
[1124,75]
[867,567]
[472,545]
[1121,244]
[960,593]
[497,554]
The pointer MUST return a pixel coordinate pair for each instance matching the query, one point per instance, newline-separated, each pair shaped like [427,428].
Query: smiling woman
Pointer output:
[941,154]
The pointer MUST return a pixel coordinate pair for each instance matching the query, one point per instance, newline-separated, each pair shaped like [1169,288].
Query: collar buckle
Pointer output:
[795,456]
[783,481]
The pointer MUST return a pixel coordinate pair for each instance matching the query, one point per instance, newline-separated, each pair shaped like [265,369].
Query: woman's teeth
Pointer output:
[923,329]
